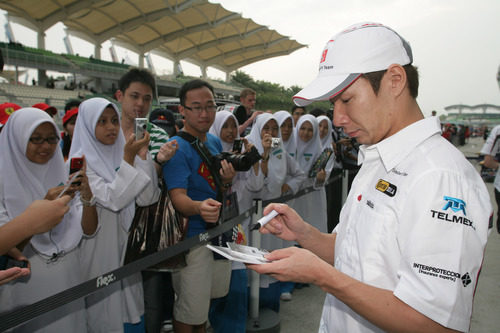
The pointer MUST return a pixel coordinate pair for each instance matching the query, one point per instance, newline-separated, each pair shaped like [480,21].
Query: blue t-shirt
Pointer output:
[187,170]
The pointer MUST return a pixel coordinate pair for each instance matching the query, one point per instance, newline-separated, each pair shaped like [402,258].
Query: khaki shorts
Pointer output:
[202,279]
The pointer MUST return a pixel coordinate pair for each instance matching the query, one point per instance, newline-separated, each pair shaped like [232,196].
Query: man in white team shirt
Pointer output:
[408,248]
[491,151]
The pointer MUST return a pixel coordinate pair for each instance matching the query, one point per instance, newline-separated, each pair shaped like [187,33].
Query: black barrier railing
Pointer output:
[23,314]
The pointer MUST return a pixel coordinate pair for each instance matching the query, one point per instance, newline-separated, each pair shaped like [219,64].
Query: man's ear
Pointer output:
[180,108]
[119,95]
[396,75]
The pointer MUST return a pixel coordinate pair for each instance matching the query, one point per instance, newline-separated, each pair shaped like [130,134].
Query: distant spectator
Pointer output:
[68,121]
[297,112]
[434,113]
[165,119]
[245,113]
[6,110]
[52,111]
[318,112]
[72,103]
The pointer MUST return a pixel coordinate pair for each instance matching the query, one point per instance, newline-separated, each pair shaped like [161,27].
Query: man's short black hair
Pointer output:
[191,85]
[316,112]
[411,75]
[140,75]
[72,103]
[299,107]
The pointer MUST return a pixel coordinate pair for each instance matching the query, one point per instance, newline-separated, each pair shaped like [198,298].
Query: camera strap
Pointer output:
[207,158]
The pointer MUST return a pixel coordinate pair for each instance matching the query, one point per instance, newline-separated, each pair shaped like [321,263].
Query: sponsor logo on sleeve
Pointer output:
[450,208]
[386,187]
[443,274]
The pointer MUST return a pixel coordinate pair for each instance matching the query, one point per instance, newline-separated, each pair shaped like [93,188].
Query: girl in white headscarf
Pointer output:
[229,313]
[312,206]
[325,134]
[33,168]
[285,122]
[121,174]
[276,164]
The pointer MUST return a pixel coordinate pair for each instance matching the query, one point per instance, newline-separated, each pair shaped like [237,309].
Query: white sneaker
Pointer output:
[286,296]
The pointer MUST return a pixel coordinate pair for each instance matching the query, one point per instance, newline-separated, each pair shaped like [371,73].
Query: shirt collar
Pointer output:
[395,148]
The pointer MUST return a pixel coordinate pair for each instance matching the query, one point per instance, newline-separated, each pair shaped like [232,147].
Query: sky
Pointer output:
[455,43]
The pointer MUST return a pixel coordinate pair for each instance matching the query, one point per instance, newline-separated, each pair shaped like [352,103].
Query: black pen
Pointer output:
[264,220]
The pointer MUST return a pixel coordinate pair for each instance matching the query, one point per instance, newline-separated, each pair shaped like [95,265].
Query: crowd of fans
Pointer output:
[122,172]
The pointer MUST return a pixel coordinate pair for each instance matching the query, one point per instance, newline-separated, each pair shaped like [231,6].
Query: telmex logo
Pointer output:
[386,187]
[455,204]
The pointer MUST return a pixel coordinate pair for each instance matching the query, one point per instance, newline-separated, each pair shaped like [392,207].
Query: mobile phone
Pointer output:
[237,145]
[140,127]
[75,164]
[7,262]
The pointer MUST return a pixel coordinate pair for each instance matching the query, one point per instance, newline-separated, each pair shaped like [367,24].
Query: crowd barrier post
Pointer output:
[260,320]
[254,276]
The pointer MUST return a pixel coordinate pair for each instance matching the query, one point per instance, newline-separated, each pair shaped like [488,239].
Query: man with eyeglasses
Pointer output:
[193,192]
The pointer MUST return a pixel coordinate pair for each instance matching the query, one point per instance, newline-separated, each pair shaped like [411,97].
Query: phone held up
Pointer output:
[237,145]
[140,127]
[75,164]
[7,262]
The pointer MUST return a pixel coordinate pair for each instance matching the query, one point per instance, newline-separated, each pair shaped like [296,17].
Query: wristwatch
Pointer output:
[88,203]
[156,160]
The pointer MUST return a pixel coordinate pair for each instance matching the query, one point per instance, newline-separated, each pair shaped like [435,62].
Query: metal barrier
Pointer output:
[18,316]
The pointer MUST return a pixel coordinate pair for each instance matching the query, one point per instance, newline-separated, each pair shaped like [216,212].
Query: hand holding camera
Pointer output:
[135,147]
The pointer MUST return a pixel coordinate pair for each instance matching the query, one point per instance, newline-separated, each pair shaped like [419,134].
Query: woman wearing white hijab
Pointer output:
[276,165]
[121,174]
[33,168]
[325,134]
[285,122]
[229,313]
[312,206]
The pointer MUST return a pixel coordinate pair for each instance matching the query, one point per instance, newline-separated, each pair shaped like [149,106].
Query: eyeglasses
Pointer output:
[197,109]
[51,140]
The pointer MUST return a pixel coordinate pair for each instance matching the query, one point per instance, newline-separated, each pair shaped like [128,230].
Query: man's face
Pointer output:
[297,113]
[362,114]
[198,123]
[248,102]
[136,100]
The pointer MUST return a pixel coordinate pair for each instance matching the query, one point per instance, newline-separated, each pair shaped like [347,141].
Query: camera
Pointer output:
[275,142]
[240,162]
[237,145]
[140,127]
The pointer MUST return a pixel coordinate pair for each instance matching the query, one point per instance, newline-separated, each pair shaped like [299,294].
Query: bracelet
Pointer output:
[156,160]
[88,203]
[227,185]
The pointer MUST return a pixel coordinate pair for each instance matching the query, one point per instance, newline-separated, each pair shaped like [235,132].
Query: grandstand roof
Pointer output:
[195,30]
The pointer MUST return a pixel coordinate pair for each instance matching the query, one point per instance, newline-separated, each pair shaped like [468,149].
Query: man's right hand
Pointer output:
[43,215]
[287,225]
[13,273]
[209,210]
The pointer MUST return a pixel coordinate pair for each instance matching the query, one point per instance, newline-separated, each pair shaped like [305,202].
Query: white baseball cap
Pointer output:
[361,48]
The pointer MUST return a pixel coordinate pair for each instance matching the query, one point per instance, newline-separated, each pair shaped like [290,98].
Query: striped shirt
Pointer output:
[157,137]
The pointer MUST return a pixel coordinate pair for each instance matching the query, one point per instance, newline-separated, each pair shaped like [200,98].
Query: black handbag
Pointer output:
[154,228]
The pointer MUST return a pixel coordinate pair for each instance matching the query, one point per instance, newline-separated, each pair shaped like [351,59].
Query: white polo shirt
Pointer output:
[415,222]
[492,147]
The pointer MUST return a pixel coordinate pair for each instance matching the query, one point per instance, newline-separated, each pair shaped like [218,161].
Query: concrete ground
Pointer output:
[303,312]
